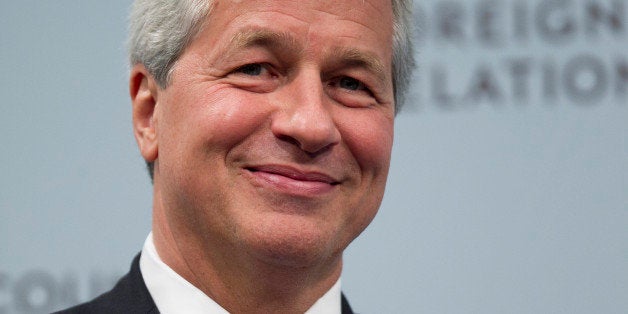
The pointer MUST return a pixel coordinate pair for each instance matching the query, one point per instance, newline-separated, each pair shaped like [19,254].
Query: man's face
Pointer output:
[275,133]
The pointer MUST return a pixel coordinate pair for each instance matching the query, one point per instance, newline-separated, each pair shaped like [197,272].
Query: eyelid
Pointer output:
[363,85]
[267,80]
[372,89]
[265,66]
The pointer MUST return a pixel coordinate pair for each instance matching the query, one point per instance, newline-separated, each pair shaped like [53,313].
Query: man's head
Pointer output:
[270,123]
[161,29]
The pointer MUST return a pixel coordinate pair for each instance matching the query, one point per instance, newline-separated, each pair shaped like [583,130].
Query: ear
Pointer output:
[144,91]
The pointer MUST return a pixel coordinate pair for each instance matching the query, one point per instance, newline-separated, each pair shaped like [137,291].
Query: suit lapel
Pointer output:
[346,309]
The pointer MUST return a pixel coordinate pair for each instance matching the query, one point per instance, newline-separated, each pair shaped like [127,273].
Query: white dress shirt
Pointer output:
[173,294]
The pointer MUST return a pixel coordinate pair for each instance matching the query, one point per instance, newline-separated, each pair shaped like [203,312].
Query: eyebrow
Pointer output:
[251,37]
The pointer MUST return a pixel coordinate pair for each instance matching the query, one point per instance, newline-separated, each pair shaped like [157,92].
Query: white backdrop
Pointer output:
[507,192]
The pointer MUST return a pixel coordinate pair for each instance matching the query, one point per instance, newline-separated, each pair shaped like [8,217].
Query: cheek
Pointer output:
[369,137]
[218,117]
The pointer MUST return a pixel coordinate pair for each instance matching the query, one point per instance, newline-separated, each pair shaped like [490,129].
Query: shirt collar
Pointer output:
[173,294]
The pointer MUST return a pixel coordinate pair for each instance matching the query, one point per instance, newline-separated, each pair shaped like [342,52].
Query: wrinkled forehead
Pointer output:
[372,11]
[378,5]
[358,19]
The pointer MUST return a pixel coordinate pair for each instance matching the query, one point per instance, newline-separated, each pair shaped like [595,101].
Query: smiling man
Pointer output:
[268,128]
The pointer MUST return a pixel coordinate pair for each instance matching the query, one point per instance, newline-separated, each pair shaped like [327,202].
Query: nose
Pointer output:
[305,119]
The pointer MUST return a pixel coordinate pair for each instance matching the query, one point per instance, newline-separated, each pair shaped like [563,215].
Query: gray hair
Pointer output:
[159,31]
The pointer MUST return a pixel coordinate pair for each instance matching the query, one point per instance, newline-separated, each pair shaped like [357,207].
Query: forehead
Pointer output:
[360,20]
[313,29]
[350,7]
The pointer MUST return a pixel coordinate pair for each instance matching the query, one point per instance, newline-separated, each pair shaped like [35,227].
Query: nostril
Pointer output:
[289,139]
[317,151]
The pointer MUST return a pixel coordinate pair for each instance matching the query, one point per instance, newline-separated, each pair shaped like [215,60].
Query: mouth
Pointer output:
[289,180]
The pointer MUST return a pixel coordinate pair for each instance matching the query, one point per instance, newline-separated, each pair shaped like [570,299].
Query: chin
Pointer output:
[297,245]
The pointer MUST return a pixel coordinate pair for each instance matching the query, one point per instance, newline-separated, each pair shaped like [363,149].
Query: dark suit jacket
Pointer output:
[130,295]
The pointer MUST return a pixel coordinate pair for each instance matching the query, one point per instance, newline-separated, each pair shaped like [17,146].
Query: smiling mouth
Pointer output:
[295,174]
[292,181]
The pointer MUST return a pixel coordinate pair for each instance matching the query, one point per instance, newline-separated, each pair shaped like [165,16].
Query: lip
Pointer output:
[291,180]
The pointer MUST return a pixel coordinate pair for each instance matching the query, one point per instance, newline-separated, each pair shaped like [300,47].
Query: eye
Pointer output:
[253,69]
[260,77]
[350,83]
[350,91]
